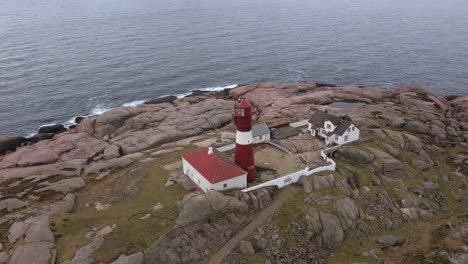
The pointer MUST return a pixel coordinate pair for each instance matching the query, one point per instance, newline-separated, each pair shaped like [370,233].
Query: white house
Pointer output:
[213,170]
[334,129]
[260,133]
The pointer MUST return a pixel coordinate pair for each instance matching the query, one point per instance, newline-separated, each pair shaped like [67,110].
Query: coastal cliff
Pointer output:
[112,188]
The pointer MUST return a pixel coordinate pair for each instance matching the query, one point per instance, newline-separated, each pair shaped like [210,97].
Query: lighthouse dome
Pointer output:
[242,103]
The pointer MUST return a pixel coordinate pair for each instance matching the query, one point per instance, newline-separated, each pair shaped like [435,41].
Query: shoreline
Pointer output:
[48,131]
[97,110]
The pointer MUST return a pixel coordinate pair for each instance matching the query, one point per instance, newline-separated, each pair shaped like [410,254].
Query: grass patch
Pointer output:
[417,233]
[256,259]
[131,234]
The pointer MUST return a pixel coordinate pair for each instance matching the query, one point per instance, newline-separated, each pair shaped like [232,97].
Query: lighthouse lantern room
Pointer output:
[244,155]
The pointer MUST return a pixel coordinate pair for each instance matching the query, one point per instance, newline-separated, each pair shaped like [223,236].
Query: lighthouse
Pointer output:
[244,156]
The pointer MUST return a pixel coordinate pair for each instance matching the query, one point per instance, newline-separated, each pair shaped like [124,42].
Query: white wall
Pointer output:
[262,138]
[312,131]
[195,176]
[329,123]
[234,183]
[205,185]
[292,178]
[352,135]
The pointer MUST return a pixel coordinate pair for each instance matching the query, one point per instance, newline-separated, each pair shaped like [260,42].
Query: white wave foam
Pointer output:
[31,134]
[99,110]
[50,124]
[69,122]
[183,95]
[134,103]
[219,88]
[208,89]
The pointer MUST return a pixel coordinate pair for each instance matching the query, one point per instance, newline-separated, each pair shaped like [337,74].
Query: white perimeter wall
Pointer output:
[294,177]
[234,183]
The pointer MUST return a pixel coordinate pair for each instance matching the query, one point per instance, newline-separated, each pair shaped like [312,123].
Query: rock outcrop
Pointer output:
[388,178]
[196,206]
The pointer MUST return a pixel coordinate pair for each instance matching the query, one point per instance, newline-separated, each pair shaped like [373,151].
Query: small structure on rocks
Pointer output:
[333,129]
[261,133]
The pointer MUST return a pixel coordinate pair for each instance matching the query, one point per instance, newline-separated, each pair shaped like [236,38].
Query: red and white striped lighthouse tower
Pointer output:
[244,156]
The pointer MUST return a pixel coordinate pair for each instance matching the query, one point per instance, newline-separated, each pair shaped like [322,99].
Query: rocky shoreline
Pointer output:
[413,159]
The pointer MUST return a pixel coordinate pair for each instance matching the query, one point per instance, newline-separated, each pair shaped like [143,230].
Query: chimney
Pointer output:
[210,150]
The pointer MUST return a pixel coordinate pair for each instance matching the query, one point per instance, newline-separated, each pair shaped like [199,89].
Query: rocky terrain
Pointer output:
[111,190]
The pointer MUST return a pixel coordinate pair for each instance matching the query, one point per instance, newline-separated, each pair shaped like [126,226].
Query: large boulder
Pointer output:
[313,221]
[3,257]
[39,230]
[70,168]
[63,206]
[332,234]
[37,157]
[36,252]
[63,186]
[241,90]
[386,164]
[323,182]
[356,154]
[78,146]
[347,212]
[136,258]
[196,206]
[103,165]
[12,204]
[417,126]
[246,248]
[10,144]
[390,241]
[52,129]
[162,100]
[111,152]
[16,231]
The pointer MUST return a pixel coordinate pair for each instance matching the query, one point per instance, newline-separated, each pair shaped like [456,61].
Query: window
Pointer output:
[328,126]
[349,129]
[225,185]
[346,138]
[354,128]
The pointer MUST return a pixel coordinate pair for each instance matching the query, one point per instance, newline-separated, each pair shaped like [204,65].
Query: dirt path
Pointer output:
[250,228]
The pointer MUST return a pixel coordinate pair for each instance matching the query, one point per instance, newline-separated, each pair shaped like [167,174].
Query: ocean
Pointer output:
[65,58]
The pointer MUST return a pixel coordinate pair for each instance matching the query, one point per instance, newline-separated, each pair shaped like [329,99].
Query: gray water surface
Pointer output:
[63,58]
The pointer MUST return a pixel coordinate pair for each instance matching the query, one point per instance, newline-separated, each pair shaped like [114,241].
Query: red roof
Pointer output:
[215,167]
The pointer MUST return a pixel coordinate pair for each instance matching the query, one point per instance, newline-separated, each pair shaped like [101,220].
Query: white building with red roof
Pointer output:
[213,170]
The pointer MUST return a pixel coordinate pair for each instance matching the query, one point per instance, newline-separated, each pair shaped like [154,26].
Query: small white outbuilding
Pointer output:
[260,133]
[212,170]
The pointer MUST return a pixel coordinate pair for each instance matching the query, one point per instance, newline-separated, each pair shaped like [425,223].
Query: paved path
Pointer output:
[250,228]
